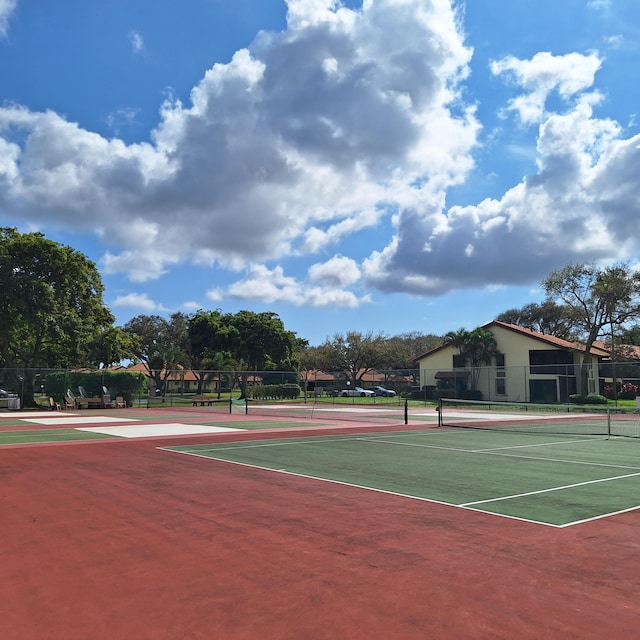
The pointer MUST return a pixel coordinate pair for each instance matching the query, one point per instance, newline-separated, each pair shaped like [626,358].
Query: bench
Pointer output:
[202,400]
[89,402]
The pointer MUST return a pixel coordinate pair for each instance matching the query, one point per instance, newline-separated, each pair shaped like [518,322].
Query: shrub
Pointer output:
[590,398]
[274,392]
[127,384]
[629,391]
[626,391]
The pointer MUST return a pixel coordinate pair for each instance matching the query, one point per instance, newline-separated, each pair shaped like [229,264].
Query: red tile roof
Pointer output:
[596,349]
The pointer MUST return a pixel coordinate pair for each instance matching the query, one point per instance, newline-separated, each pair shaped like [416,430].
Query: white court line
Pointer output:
[69,421]
[497,452]
[363,487]
[202,453]
[21,415]
[232,446]
[541,491]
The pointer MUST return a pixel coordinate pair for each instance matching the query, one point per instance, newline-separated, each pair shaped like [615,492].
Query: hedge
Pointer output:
[274,392]
[590,398]
[127,384]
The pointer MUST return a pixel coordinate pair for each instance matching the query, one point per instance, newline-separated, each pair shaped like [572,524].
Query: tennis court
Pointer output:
[547,479]
[197,523]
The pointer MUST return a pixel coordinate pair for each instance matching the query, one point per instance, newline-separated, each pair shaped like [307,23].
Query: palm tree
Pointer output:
[477,348]
[480,348]
[457,339]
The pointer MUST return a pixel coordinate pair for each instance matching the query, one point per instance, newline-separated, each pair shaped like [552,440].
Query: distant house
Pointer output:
[186,380]
[529,367]
[323,382]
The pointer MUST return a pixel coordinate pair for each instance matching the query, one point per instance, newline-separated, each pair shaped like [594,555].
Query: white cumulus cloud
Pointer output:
[6,9]
[346,121]
[141,302]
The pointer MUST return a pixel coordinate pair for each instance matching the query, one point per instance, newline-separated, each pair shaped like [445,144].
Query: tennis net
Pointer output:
[319,410]
[560,419]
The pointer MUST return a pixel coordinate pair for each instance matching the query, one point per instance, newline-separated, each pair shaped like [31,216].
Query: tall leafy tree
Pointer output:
[354,354]
[602,301]
[246,341]
[159,345]
[210,340]
[548,317]
[52,312]
[263,342]
[630,335]
[404,348]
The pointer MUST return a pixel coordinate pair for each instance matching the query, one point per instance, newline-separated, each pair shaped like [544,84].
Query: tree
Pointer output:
[479,349]
[548,318]
[601,301]
[476,348]
[457,339]
[263,342]
[246,341]
[355,354]
[159,344]
[111,345]
[210,340]
[403,349]
[630,335]
[52,308]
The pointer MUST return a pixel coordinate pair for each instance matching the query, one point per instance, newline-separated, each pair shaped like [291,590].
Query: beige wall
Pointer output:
[515,348]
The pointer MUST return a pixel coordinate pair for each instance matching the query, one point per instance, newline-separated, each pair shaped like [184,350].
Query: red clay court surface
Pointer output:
[120,540]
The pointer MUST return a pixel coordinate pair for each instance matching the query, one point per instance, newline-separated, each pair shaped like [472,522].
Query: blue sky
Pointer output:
[385,166]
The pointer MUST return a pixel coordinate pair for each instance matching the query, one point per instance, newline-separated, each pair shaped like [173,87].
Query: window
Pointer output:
[458,361]
[551,361]
[500,360]
[501,386]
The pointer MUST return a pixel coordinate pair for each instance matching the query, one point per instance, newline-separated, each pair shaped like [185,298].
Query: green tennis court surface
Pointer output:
[546,479]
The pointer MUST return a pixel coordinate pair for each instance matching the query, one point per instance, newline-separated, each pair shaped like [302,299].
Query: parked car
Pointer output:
[357,391]
[381,391]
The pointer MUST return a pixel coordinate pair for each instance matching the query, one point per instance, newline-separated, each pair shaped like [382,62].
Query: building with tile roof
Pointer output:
[529,367]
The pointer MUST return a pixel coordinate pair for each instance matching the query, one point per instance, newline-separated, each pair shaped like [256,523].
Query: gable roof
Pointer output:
[560,343]
[596,349]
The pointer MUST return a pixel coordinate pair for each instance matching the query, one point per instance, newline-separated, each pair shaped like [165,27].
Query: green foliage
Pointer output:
[273,392]
[244,341]
[354,354]
[589,398]
[52,303]
[548,318]
[128,384]
[52,308]
[402,350]
[629,335]
[476,348]
[159,344]
[600,300]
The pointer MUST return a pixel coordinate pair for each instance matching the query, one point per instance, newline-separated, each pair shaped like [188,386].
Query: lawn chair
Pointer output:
[120,403]
[53,405]
[70,400]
